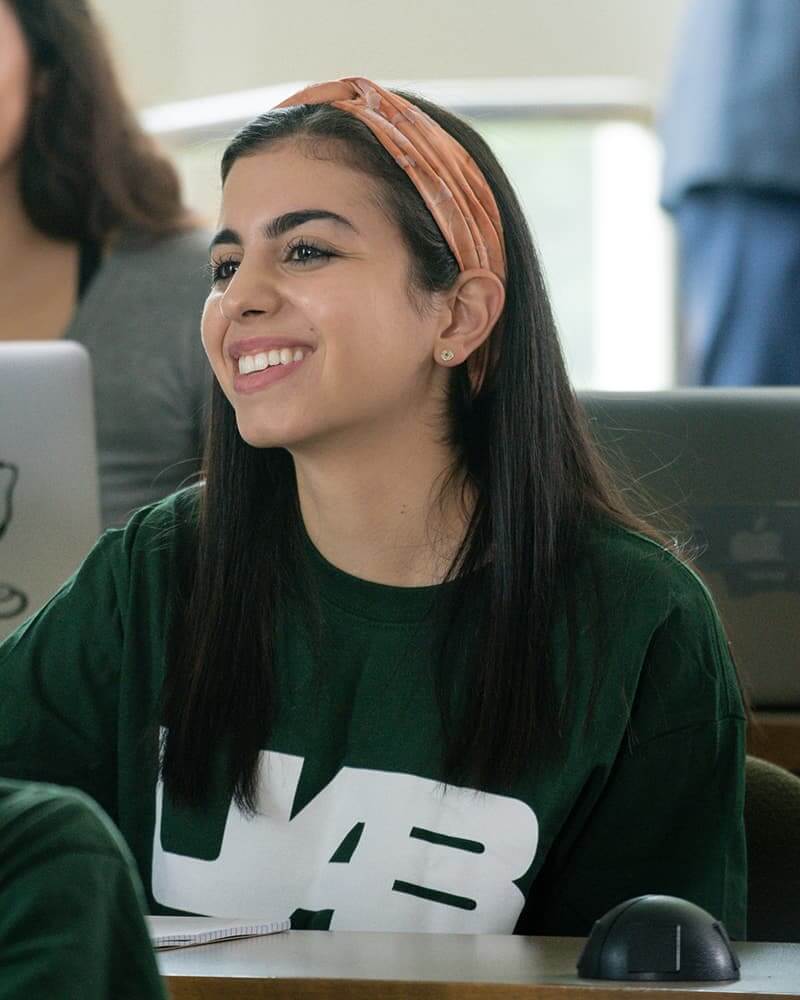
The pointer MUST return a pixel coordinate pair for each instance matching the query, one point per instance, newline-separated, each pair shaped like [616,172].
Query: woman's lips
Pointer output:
[255,381]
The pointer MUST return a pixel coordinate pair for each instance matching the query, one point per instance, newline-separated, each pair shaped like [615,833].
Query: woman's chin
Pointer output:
[264,437]
[291,432]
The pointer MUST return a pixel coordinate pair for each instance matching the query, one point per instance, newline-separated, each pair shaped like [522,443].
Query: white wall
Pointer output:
[173,49]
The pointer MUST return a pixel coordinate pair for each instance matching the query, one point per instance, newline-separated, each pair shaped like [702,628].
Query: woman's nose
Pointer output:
[249,294]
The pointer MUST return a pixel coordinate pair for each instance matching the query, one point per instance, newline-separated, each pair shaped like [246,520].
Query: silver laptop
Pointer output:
[49,510]
[722,467]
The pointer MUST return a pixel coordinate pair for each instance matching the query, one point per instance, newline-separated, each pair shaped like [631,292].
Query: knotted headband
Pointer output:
[449,181]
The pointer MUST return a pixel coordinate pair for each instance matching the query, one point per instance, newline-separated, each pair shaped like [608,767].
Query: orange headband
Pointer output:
[448,179]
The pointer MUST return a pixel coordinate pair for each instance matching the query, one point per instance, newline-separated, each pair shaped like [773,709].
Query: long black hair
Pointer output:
[521,446]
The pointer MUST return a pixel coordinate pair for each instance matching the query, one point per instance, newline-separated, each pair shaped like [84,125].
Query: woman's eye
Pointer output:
[224,270]
[306,253]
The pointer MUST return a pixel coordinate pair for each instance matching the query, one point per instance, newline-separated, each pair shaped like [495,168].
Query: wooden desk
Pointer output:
[320,965]
[775,736]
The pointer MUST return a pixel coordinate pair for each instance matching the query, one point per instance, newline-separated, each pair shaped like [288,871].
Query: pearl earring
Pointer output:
[447,355]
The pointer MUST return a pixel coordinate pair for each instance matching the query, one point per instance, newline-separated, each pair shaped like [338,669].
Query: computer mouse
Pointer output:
[658,938]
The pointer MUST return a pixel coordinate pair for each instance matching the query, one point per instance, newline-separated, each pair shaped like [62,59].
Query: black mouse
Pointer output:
[658,938]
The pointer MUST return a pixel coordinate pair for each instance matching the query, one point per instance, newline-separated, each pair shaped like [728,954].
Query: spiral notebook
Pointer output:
[186,932]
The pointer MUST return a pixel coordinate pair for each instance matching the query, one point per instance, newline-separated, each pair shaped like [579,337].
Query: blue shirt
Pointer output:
[732,111]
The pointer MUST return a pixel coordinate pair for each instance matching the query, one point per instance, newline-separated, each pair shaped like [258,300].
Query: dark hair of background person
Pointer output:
[88,169]
[523,444]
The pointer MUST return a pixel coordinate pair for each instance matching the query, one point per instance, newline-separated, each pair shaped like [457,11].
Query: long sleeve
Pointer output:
[667,815]
[71,905]
[59,675]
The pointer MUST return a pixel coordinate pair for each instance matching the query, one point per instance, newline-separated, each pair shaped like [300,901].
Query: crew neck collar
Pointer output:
[377,602]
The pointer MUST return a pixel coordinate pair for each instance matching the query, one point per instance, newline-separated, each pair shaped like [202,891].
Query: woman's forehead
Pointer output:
[281,180]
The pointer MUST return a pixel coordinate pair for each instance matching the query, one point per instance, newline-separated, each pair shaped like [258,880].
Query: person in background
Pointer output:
[71,905]
[97,246]
[731,134]
[404,660]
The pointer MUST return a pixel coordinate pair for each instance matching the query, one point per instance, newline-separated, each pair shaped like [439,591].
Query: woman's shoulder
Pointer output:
[174,515]
[656,610]
[625,562]
[145,554]
[155,532]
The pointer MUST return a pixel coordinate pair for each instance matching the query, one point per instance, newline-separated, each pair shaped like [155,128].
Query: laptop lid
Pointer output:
[49,509]
[722,467]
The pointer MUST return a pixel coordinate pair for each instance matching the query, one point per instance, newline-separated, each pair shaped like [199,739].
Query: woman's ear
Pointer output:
[475,303]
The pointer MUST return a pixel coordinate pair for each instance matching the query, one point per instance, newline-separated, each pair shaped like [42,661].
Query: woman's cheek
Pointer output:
[211,332]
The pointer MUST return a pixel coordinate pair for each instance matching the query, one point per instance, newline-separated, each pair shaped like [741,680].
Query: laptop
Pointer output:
[720,469]
[49,502]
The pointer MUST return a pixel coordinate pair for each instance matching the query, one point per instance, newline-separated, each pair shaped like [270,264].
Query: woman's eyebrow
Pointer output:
[281,224]
[224,236]
[290,220]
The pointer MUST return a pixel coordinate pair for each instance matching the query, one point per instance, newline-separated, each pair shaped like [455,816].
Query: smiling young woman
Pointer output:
[404,660]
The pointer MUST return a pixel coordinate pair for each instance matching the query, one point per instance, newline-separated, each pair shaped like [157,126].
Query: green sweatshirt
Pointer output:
[355,829]
[71,923]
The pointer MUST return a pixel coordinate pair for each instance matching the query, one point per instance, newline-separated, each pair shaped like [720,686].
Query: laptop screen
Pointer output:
[49,514]
[720,468]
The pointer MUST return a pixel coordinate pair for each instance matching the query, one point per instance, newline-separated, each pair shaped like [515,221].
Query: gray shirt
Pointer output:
[140,322]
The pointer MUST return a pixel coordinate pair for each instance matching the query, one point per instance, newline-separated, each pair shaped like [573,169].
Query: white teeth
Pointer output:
[258,362]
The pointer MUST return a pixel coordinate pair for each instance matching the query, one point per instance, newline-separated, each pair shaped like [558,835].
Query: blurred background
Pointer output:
[566,92]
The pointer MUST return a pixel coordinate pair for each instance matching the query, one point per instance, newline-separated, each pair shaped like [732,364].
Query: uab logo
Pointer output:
[382,851]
